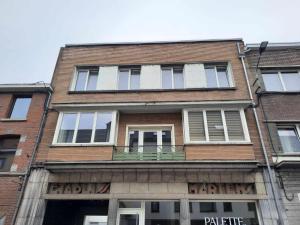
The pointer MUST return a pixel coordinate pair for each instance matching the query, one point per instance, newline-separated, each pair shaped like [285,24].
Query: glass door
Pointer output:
[130,217]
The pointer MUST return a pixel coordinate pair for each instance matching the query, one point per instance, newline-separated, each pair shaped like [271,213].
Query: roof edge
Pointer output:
[25,87]
[150,42]
[275,45]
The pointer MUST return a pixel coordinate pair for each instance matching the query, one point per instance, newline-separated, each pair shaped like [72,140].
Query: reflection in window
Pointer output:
[85,128]
[86,79]
[103,126]
[20,108]
[166,215]
[289,139]
[129,219]
[230,211]
[67,128]
[281,80]
[155,207]
[216,76]
[8,147]
[130,204]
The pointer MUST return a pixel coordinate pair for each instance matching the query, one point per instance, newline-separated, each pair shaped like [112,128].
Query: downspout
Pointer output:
[277,203]
[34,152]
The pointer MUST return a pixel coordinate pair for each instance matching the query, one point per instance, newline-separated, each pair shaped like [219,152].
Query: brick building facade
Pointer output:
[21,111]
[150,133]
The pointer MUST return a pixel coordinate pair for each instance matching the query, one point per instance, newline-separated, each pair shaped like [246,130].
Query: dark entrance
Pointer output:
[74,212]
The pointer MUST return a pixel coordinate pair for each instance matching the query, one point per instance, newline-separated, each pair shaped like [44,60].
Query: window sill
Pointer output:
[12,120]
[219,143]
[8,173]
[279,92]
[289,154]
[152,90]
[82,145]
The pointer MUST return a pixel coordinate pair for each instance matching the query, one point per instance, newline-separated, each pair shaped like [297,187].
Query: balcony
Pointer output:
[149,152]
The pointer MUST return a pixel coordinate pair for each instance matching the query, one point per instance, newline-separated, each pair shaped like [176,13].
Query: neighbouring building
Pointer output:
[276,84]
[21,111]
[150,133]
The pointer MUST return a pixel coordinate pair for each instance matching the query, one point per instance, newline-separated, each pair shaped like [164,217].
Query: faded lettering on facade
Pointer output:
[222,188]
[78,188]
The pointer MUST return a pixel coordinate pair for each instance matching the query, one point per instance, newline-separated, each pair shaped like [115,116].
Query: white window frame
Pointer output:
[207,141]
[228,73]
[129,78]
[297,129]
[112,137]
[279,74]
[150,127]
[77,70]
[172,70]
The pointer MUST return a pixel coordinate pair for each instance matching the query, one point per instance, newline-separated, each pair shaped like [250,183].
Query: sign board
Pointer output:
[222,188]
[223,220]
[78,188]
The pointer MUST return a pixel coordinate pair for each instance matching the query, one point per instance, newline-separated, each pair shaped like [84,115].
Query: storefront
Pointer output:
[152,197]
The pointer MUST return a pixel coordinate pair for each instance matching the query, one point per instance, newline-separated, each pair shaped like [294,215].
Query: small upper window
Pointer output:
[289,138]
[86,79]
[8,147]
[20,107]
[172,77]
[129,78]
[281,81]
[216,76]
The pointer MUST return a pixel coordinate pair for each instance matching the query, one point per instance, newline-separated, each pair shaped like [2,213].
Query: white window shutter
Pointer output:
[108,78]
[150,77]
[215,126]
[194,76]
[196,126]
[234,126]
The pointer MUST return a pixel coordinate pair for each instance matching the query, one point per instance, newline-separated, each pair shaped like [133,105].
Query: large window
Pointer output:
[216,76]
[281,80]
[129,78]
[86,79]
[85,127]
[8,147]
[172,77]
[20,107]
[226,213]
[215,126]
[289,138]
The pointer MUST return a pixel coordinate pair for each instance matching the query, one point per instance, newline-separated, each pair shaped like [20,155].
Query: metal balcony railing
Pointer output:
[149,152]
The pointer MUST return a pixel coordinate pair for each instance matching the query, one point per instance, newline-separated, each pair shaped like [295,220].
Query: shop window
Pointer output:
[177,207]
[20,107]
[155,207]
[8,148]
[212,213]
[85,127]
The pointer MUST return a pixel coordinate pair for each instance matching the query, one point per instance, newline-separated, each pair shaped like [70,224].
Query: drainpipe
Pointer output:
[34,152]
[277,203]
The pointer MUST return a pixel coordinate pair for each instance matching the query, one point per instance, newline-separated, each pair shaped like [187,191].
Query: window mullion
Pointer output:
[87,79]
[298,131]
[205,125]
[76,127]
[159,140]
[281,80]
[94,126]
[172,77]
[224,125]
[217,78]
[141,141]
[129,79]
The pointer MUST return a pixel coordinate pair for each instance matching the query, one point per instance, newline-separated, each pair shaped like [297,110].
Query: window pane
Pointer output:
[133,141]
[103,126]
[196,126]
[8,147]
[81,79]
[135,79]
[234,126]
[291,81]
[129,219]
[166,141]
[167,214]
[85,128]
[178,77]
[129,204]
[215,126]
[211,77]
[67,127]
[20,108]
[222,76]
[123,79]
[272,82]
[289,139]
[92,81]
[166,78]
[214,213]
[150,141]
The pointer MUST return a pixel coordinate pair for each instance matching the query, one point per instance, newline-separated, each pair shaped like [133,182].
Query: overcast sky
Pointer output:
[32,31]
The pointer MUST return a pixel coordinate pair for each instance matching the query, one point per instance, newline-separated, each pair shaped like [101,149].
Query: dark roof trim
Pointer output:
[152,42]
[32,87]
[279,45]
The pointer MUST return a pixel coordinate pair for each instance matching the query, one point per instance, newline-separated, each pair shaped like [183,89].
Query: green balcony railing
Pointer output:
[149,152]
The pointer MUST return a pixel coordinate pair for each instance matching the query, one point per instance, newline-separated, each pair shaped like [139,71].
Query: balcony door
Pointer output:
[150,139]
